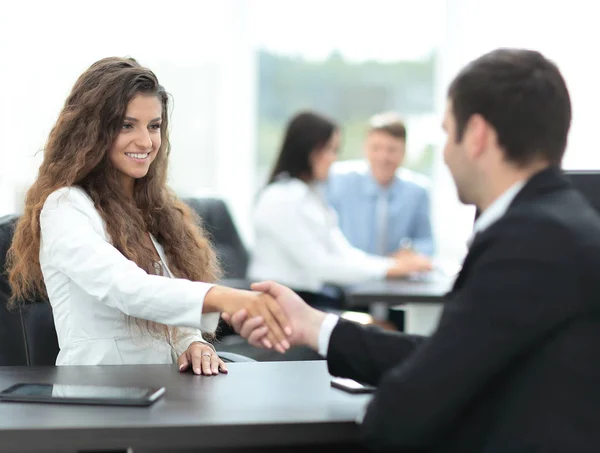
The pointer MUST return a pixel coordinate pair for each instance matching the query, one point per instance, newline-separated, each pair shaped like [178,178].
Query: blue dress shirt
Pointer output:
[354,194]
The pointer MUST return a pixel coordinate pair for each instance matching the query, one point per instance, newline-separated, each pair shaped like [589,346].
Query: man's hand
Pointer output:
[229,301]
[305,320]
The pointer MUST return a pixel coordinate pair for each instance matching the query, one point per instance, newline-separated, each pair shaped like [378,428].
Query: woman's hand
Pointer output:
[230,301]
[306,321]
[203,359]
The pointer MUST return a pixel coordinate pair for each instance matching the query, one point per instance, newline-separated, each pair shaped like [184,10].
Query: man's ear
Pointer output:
[476,135]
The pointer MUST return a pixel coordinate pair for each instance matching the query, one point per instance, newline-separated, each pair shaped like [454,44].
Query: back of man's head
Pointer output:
[523,96]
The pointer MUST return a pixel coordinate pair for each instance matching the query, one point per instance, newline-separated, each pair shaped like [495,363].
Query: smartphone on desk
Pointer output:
[351,386]
[82,394]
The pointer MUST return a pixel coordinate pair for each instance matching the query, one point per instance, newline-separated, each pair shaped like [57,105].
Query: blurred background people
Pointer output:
[298,240]
[382,210]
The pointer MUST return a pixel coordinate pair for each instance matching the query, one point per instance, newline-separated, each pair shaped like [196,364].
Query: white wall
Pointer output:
[199,50]
[565,32]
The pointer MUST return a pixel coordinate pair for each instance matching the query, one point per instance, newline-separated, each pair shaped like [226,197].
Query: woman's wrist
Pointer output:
[223,299]
[214,299]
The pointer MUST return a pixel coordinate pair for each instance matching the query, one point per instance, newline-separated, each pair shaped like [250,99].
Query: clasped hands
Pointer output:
[272,316]
[270,326]
[288,313]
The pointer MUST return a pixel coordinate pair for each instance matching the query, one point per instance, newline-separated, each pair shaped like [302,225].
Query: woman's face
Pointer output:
[139,140]
[322,159]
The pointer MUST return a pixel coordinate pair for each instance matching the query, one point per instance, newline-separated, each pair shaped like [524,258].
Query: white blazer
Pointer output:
[92,287]
[299,243]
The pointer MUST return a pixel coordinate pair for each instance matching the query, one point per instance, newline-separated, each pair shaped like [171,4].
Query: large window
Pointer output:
[348,60]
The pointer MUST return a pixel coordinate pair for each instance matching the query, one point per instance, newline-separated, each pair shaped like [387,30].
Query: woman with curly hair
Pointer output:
[124,263]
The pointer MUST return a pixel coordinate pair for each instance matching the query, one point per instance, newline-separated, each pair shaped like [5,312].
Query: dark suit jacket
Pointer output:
[514,365]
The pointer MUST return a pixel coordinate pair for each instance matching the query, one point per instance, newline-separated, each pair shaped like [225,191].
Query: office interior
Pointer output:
[237,70]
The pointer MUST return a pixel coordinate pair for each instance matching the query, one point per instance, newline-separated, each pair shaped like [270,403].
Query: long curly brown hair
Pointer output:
[76,154]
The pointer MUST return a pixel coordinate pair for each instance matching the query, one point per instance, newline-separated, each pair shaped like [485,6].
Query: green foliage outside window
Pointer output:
[348,92]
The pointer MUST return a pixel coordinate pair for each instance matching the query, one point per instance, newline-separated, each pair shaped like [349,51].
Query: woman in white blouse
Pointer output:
[126,268]
[298,241]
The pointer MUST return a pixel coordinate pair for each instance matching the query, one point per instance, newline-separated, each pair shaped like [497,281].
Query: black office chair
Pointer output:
[39,333]
[218,223]
[27,334]
[587,182]
[231,252]
[12,344]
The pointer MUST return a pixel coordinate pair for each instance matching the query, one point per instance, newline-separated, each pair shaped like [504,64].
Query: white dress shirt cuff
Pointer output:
[390,262]
[380,266]
[325,332]
[361,416]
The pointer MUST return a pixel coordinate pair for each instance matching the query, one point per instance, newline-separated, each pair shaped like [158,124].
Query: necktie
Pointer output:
[381,216]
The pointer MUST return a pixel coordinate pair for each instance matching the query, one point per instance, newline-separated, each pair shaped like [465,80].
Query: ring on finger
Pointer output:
[206,354]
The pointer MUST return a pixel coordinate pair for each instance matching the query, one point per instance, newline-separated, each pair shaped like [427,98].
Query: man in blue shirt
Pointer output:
[382,209]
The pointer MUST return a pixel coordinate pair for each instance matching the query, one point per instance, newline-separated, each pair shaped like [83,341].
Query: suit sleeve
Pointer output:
[73,245]
[366,353]
[516,293]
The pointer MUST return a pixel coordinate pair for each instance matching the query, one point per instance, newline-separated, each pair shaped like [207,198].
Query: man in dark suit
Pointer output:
[513,366]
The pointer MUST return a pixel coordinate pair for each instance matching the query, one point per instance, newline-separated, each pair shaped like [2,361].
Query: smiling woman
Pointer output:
[139,139]
[125,264]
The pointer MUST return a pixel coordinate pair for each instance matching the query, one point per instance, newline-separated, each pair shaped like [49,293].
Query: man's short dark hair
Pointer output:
[523,96]
[389,122]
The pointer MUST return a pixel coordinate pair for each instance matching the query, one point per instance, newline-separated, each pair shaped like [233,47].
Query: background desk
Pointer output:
[255,405]
[421,299]
[395,292]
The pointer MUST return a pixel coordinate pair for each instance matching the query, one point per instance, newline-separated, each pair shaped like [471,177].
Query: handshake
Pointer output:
[273,316]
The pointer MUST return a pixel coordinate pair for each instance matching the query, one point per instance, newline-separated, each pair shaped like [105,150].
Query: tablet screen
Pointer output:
[81,393]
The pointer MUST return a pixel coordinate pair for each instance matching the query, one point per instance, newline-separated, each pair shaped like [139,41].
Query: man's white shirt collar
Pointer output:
[497,209]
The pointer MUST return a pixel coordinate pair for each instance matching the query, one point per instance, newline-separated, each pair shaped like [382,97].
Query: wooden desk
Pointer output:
[287,404]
